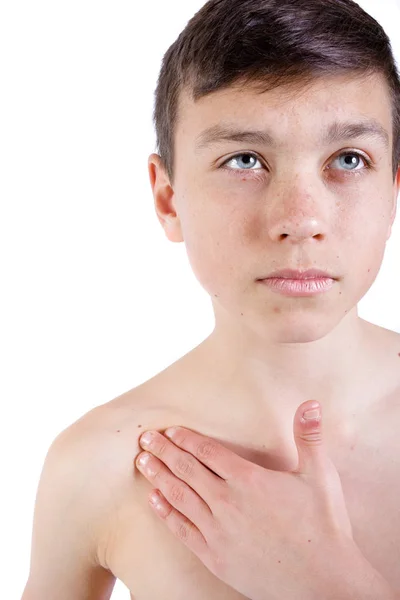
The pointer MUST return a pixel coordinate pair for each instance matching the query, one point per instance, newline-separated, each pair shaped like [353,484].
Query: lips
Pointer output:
[292,274]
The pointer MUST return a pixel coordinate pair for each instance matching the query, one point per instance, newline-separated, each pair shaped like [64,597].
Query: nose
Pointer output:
[297,229]
[298,215]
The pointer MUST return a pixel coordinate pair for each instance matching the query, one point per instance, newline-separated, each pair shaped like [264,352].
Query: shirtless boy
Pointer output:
[315,188]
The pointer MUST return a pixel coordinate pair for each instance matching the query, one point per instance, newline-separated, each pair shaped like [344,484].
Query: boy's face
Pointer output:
[302,204]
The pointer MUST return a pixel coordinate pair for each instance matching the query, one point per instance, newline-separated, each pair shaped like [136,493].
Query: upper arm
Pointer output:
[67,521]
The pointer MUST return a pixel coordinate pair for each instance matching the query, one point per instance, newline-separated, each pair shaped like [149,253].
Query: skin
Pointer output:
[272,352]
[265,357]
[240,519]
[298,207]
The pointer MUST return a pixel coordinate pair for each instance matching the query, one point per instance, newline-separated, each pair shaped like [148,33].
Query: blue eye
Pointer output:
[252,159]
[353,160]
[246,162]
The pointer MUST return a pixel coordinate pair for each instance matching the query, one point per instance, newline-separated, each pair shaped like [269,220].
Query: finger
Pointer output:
[178,493]
[223,462]
[184,466]
[185,530]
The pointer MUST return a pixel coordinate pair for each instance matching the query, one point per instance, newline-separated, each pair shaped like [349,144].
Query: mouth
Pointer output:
[299,275]
[310,286]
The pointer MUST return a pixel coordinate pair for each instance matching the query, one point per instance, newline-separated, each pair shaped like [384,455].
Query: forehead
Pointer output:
[287,112]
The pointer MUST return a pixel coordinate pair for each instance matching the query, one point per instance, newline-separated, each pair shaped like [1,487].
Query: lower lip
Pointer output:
[299,287]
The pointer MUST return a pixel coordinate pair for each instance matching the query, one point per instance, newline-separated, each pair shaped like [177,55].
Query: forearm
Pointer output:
[359,580]
[373,587]
[368,586]
[353,578]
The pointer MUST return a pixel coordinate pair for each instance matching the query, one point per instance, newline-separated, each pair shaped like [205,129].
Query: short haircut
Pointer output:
[269,44]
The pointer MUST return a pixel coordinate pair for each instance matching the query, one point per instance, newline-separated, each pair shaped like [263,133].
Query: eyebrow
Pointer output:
[336,132]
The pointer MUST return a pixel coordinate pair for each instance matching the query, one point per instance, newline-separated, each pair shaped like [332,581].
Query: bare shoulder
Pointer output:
[388,361]
[383,415]
[103,444]
[99,447]
[73,505]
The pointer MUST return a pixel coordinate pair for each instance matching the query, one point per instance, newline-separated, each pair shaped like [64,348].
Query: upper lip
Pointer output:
[292,274]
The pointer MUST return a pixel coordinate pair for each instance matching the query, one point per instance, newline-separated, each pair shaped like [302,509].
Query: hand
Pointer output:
[268,534]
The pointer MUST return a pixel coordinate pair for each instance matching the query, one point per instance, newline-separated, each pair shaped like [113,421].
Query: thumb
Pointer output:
[316,466]
[309,440]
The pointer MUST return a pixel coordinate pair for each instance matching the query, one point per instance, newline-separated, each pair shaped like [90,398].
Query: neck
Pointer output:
[270,377]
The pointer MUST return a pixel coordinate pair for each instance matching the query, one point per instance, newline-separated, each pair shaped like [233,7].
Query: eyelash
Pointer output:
[240,172]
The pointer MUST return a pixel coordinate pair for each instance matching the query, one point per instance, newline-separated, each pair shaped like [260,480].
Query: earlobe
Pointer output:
[172,228]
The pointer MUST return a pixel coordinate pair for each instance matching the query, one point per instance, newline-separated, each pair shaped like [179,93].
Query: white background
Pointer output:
[94,298]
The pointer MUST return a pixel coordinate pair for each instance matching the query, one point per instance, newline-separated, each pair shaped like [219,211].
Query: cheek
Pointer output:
[362,255]
[366,258]
[225,246]
[215,256]
[214,232]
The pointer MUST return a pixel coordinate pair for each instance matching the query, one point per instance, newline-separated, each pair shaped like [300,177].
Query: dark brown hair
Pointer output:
[270,43]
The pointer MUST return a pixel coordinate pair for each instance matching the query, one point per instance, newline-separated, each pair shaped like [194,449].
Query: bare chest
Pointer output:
[153,563]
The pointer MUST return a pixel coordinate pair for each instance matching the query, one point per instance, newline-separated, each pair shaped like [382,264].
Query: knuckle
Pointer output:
[217,530]
[250,475]
[223,495]
[182,532]
[177,494]
[206,450]
[184,466]
[161,447]
[156,472]
[218,565]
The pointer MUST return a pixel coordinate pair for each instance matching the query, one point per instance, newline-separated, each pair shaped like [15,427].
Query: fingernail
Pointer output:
[144,459]
[314,413]
[170,432]
[146,438]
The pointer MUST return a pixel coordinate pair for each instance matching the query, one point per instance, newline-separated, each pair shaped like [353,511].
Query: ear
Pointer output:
[394,208]
[163,194]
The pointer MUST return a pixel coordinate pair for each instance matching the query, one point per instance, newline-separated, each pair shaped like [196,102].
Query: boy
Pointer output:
[296,202]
